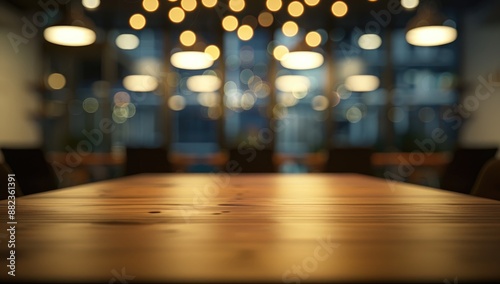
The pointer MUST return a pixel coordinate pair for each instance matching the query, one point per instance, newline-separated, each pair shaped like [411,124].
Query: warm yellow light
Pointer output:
[311,2]
[177,103]
[295,9]
[91,4]
[213,51]
[137,21]
[409,4]
[237,5]
[339,9]
[56,81]
[140,83]
[127,41]
[191,60]
[210,99]
[245,32]
[188,5]
[187,38]
[273,5]
[176,15]
[369,41]
[230,23]
[290,29]
[266,19]
[209,3]
[293,84]
[280,51]
[203,83]
[362,83]
[302,60]
[431,35]
[69,35]
[150,5]
[313,39]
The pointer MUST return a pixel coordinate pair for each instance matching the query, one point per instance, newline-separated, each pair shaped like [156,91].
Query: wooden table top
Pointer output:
[271,228]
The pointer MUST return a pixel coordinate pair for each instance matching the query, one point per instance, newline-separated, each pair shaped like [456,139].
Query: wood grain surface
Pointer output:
[253,228]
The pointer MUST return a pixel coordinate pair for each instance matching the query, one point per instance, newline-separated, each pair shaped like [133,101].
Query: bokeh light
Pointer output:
[339,9]
[245,32]
[230,23]
[290,29]
[187,38]
[313,39]
[56,81]
[137,21]
[150,5]
[176,15]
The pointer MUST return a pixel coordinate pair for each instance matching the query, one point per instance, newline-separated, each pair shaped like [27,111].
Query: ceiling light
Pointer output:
[292,83]
[362,83]
[91,4]
[73,30]
[127,41]
[302,60]
[409,4]
[369,41]
[140,83]
[191,60]
[203,83]
[427,29]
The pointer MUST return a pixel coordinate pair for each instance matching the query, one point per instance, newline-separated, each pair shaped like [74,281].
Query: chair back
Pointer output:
[464,167]
[488,182]
[147,160]
[252,160]
[33,173]
[350,160]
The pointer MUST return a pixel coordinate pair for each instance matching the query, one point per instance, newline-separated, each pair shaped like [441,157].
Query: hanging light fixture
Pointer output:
[73,30]
[193,54]
[303,57]
[427,28]
[362,83]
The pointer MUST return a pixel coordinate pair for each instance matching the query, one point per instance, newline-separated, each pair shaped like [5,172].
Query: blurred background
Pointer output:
[314,84]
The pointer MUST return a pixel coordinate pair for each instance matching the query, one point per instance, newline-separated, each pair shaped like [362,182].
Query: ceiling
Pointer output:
[115,13]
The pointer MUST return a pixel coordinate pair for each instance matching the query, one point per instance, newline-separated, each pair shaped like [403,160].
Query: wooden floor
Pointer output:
[254,228]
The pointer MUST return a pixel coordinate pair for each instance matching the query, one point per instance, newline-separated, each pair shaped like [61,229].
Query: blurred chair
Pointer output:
[147,160]
[33,173]
[350,160]
[488,182]
[4,172]
[252,160]
[463,169]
